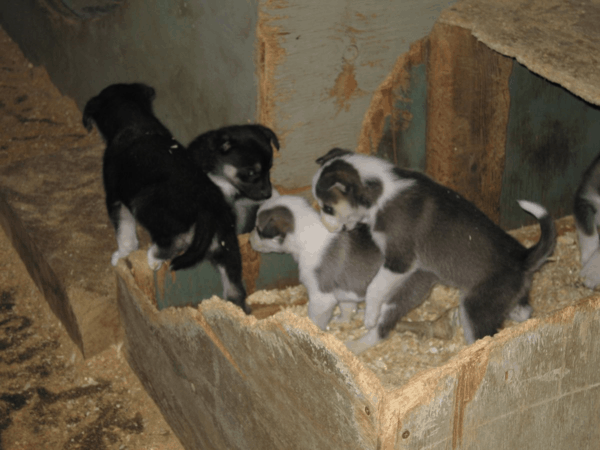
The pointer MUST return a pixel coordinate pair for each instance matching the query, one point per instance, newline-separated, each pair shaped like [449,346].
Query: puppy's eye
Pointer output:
[328,210]
[251,173]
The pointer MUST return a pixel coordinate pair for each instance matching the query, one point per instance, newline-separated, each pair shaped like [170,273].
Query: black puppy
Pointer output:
[149,178]
[238,159]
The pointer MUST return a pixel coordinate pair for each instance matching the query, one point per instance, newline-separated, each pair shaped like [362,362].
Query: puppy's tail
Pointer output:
[203,235]
[539,253]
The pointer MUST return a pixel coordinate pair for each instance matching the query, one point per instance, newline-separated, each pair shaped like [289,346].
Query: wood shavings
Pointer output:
[404,354]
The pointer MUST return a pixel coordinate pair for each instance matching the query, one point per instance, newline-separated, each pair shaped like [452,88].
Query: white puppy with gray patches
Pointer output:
[586,210]
[428,233]
[334,268]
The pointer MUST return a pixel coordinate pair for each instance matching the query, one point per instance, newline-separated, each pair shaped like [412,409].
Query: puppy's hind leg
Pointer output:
[124,224]
[379,292]
[522,310]
[226,257]
[166,247]
[483,309]
[320,308]
[586,210]
[410,294]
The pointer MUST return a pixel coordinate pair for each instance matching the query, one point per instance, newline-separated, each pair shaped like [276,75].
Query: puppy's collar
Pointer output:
[173,146]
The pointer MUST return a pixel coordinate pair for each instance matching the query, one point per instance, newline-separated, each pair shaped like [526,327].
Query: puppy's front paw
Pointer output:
[371,319]
[521,313]
[591,271]
[347,311]
[364,343]
[114,259]
[153,262]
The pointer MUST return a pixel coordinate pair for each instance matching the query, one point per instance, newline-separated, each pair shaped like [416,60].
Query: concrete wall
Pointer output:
[307,69]
[198,55]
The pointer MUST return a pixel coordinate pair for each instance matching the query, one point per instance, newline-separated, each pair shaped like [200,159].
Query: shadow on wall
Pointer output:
[86,9]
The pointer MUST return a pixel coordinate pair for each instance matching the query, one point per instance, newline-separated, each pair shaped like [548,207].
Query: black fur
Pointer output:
[247,149]
[148,175]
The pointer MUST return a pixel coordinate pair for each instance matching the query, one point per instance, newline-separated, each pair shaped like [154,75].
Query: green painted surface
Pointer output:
[403,140]
[193,285]
[552,137]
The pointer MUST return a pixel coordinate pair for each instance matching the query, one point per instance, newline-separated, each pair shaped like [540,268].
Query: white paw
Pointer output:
[364,343]
[114,259]
[520,313]
[591,271]
[153,262]
[370,319]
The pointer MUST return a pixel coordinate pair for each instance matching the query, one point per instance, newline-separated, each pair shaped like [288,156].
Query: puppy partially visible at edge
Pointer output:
[149,178]
[586,209]
[428,233]
[334,268]
[238,159]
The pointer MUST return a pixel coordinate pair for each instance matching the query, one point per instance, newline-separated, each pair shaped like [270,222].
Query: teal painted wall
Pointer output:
[405,131]
[552,137]
[193,285]
[199,55]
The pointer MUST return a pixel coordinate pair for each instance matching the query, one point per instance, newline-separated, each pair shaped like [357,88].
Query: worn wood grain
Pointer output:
[467,115]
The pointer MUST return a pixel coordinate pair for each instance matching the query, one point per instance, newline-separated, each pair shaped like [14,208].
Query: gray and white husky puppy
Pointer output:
[335,268]
[586,210]
[428,233]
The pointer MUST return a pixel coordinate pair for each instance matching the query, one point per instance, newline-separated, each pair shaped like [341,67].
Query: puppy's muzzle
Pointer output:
[333,226]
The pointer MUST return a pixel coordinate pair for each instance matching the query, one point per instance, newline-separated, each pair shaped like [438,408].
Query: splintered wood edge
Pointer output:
[139,278]
[467,369]
[469,364]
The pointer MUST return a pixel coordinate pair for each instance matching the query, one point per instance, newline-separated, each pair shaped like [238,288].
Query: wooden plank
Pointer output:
[225,381]
[40,271]
[555,39]
[467,114]
[320,68]
[526,388]
[394,126]
[52,204]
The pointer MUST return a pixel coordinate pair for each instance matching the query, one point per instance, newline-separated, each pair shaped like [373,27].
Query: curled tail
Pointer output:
[204,233]
[539,253]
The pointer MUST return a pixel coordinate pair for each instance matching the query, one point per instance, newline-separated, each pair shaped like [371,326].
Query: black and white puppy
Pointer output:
[428,233]
[238,159]
[149,178]
[335,268]
[586,210]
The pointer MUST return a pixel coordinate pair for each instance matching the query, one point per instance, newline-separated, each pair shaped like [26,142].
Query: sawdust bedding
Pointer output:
[556,285]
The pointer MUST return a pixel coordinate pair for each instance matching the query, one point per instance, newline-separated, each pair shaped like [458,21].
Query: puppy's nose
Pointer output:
[266,191]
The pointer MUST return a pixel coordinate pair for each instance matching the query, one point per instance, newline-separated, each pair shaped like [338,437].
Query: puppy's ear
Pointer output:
[332,154]
[147,92]
[275,222]
[269,134]
[224,143]
[91,107]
